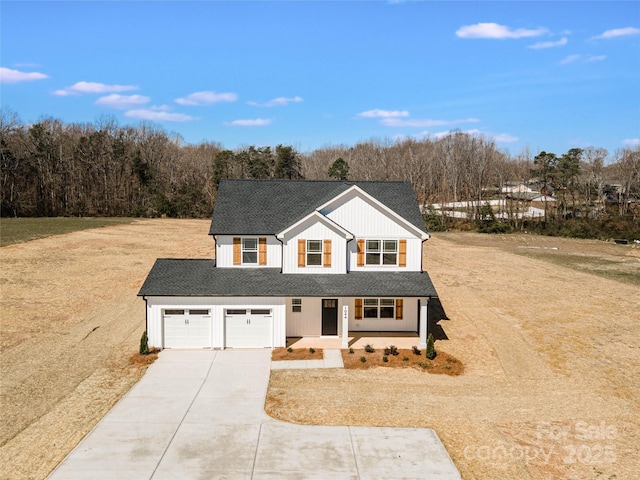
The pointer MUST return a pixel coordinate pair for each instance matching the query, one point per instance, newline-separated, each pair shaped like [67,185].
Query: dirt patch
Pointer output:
[279,354]
[71,322]
[551,363]
[443,363]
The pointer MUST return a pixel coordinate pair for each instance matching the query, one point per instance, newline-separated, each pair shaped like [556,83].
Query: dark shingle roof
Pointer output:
[261,207]
[200,277]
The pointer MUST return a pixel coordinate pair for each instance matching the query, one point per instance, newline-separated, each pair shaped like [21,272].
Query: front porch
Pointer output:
[358,340]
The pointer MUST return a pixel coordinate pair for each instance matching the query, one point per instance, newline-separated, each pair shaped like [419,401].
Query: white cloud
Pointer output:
[277,102]
[618,32]
[157,115]
[558,43]
[505,138]
[595,58]
[377,113]
[256,122]
[206,98]
[93,87]
[122,102]
[582,59]
[631,141]
[424,123]
[496,31]
[8,75]
[569,59]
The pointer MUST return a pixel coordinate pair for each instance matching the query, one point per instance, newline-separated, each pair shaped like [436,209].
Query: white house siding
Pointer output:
[224,251]
[366,220]
[308,322]
[314,230]
[363,218]
[217,306]
[409,322]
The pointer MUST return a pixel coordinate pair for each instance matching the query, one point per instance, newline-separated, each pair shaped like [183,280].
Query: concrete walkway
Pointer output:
[200,414]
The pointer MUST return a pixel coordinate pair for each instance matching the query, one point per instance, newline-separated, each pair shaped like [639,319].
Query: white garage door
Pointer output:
[187,328]
[250,328]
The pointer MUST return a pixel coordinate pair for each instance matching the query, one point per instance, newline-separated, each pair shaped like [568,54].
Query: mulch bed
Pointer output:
[296,354]
[443,363]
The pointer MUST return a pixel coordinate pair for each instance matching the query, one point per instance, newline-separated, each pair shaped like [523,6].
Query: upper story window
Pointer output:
[375,252]
[314,252]
[250,251]
[381,252]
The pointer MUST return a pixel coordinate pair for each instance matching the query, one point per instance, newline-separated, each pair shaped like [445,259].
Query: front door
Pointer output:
[329,316]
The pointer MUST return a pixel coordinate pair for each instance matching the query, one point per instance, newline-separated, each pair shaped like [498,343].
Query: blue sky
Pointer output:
[547,75]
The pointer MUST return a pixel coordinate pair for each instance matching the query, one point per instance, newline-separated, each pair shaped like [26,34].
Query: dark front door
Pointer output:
[329,316]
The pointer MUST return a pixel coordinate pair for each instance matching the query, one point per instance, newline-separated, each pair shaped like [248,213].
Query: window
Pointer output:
[381,252]
[378,308]
[173,312]
[198,312]
[370,308]
[314,252]
[296,305]
[260,311]
[236,312]
[387,309]
[250,251]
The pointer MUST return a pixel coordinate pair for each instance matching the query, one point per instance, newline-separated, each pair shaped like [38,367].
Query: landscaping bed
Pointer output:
[282,353]
[360,359]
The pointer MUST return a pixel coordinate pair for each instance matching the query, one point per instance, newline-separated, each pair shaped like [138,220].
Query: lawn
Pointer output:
[18,230]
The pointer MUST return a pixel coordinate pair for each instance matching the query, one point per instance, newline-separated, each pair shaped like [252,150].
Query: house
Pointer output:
[296,259]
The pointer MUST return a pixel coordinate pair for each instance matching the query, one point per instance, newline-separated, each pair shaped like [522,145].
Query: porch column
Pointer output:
[345,326]
[424,305]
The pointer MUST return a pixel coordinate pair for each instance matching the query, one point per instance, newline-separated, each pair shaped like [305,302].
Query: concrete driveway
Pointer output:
[200,415]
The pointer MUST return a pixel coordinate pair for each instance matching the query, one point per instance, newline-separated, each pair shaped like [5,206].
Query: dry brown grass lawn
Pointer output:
[550,348]
[548,339]
[70,329]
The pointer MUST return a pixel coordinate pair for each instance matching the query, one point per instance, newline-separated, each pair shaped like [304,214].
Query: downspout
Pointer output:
[146,315]
[215,249]
[281,254]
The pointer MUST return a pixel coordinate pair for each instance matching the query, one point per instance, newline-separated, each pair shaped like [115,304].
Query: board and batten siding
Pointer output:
[314,230]
[224,251]
[363,219]
[217,306]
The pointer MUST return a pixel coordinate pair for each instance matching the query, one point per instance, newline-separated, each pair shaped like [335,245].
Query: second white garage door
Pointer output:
[250,328]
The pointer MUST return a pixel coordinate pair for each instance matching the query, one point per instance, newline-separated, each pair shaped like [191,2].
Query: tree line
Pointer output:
[51,168]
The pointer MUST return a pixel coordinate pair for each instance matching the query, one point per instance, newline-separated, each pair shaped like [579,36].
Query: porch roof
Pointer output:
[200,277]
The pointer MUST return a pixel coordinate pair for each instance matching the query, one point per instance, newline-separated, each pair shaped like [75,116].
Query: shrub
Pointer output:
[351,350]
[405,359]
[385,358]
[430,352]
[363,359]
[416,350]
[392,350]
[368,348]
[289,349]
[312,350]
[144,344]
